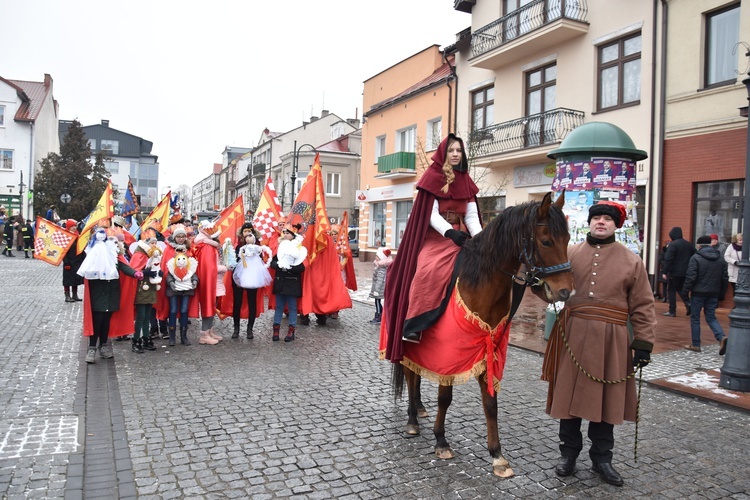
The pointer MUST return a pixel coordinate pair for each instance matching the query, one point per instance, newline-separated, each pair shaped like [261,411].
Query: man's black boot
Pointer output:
[565,466]
[608,473]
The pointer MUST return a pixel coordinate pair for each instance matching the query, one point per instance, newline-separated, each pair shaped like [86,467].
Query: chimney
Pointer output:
[353,122]
[47,80]
[313,118]
[105,123]
[324,113]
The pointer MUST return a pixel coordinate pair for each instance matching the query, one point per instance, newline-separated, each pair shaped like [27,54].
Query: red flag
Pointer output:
[309,209]
[269,214]
[345,254]
[51,241]
[230,220]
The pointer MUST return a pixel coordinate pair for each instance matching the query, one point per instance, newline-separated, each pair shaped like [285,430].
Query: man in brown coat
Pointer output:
[591,381]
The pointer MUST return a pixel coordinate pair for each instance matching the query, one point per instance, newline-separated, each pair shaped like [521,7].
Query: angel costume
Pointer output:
[251,272]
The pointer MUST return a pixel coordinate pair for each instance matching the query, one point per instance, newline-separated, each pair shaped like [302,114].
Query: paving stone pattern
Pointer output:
[315,418]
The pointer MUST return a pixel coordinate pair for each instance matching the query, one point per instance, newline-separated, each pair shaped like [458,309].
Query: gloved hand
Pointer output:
[641,358]
[138,275]
[458,237]
[149,273]
[67,268]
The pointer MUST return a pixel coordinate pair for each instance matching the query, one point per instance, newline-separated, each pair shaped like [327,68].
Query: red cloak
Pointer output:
[203,303]
[123,320]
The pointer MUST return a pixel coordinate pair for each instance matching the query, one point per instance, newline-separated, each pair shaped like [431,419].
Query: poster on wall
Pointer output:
[587,182]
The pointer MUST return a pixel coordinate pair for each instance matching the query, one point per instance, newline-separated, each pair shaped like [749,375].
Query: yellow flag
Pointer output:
[159,216]
[104,210]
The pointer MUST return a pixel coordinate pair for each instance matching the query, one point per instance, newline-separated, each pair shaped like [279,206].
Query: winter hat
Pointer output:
[714,236]
[179,229]
[70,224]
[611,208]
[383,252]
[704,240]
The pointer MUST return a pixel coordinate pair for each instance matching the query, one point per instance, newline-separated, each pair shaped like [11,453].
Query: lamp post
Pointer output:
[295,164]
[21,185]
[735,373]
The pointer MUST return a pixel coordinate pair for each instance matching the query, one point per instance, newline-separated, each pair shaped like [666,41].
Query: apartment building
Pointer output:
[408,109]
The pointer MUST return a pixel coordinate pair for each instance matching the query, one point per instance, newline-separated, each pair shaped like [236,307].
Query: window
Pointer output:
[379,147]
[333,184]
[489,208]
[403,209]
[405,139]
[434,133]
[541,96]
[113,147]
[2,116]
[722,34]
[112,167]
[377,225]
[620,72]
[92,144]
[718,209]
[482,108]
[6,159]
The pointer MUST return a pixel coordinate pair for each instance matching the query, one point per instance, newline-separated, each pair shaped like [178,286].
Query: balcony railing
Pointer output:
[527,132]
[528,18]
[259,169]
[396,161]
[231,184]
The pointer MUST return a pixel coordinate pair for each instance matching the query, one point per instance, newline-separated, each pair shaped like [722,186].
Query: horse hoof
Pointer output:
[500,467]
[412,430]
[422,413]
[444,453]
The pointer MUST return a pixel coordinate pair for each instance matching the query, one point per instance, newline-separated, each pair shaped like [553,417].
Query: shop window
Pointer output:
[718,209]
[377,225]
[403,209]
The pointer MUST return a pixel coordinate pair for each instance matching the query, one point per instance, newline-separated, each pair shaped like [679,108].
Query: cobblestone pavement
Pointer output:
[313,418]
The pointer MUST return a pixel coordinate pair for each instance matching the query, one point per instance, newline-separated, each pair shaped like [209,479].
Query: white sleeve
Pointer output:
[437,222]
[472,219]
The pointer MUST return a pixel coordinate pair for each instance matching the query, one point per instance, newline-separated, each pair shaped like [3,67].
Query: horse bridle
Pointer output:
[534,273]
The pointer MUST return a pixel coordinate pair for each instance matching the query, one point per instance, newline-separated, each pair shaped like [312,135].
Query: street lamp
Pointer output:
[295,164]
[21,185]
[735,374]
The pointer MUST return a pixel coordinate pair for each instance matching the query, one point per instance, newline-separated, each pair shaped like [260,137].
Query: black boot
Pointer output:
[276,328]
[9,254]
[376,319]
[321,319]
[137,346]
[76,298]
[250,324]
[154,330]
[164,329]
[304,319]
[608,473]
[236,331]
[183,336]
[5,251]
[148,344]
[68,298]
[290,334]
[171,336]
[26,253]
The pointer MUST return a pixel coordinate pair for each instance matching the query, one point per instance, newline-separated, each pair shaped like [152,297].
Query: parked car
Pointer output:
[354,246]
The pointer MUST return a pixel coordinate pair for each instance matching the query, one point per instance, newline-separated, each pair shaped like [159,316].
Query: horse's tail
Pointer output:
[397,380]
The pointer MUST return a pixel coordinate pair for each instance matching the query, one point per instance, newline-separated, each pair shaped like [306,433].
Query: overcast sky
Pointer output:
[194,77]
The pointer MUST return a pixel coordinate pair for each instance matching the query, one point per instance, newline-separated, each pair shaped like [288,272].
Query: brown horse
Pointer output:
[526,245]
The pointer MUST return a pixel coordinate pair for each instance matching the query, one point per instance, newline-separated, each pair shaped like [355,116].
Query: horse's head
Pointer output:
[545,259]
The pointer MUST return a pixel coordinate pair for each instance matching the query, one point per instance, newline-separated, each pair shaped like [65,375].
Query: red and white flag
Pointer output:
[269,213]
[51,241]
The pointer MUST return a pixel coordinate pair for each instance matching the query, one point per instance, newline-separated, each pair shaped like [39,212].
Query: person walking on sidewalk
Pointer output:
[676,261]
[733,256]
[591,376]
[383,260]
[706,278]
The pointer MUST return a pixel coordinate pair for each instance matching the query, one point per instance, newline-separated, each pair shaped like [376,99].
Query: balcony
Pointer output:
[259,169]
[522,135]
[537,26]
[399,165]
[231,184]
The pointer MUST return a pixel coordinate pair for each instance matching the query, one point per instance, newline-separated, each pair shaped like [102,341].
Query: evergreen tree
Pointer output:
[71,172]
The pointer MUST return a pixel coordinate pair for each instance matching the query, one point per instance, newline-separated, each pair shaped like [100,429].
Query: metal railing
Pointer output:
[527,132]
[400,160]
[528,18]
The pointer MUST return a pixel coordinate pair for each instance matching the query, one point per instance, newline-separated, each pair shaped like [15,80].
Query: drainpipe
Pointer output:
[662,133]
[450,94]
[29,213]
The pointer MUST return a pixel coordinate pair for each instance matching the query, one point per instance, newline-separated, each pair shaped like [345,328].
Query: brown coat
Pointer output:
[613,275]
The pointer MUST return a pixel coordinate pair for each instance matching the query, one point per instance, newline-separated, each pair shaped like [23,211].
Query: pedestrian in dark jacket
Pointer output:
[676,262]
[287,284]
[706,278]
[26,236]
[71,262]
[9,227]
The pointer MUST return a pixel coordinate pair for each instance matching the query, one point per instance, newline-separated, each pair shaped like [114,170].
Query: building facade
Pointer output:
[408,109]
[127,156]
[28,133]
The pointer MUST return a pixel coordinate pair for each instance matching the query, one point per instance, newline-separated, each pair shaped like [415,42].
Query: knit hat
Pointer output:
[70,224]
[178,229]
[714,236]
[611,208]
[704,240]
[383,252]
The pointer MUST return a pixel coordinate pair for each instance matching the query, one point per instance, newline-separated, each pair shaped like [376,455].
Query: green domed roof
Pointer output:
[597,138]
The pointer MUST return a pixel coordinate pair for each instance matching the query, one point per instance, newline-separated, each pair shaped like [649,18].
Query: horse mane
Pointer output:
[503,240]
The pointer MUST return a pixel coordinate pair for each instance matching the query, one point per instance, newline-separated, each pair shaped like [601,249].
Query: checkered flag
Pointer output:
[51,242]
[268,215]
